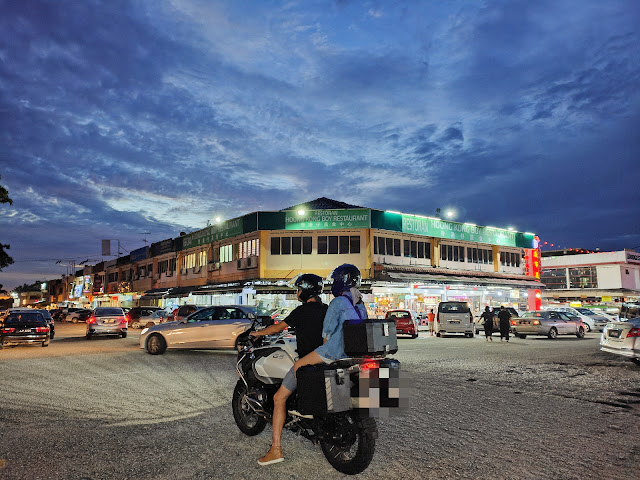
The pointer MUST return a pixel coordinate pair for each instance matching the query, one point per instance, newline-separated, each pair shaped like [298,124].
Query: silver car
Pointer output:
[548,323]
[208,328]
[107,321]
[592,320]
[622,338]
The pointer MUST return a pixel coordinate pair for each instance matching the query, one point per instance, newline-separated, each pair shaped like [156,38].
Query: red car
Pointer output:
[406,321]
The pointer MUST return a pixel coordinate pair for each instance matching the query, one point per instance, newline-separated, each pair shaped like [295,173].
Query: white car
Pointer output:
[594,321]
[622,338]
[154,318]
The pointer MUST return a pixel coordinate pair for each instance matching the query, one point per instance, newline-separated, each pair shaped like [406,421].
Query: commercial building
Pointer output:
[571,276]
[407,261]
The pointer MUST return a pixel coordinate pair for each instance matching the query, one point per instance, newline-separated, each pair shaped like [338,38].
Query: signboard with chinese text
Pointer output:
[327,219]
[214,233]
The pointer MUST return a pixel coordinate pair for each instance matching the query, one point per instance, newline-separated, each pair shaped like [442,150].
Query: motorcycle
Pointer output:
[347,438]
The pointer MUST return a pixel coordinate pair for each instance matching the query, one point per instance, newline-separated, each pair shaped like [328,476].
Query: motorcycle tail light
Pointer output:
[368,365]
[634,332]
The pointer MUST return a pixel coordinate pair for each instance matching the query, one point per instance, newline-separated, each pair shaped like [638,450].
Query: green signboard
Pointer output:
[227,229]
[327,219]
[435,227]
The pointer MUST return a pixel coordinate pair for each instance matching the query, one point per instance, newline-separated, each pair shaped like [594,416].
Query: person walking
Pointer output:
[505,319]
[307,319]
[488,323]
[431,317]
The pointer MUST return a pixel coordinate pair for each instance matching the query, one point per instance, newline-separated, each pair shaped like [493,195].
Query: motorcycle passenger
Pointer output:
[347,305]
[307,319]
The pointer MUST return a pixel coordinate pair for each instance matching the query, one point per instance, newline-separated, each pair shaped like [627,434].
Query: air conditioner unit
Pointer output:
[214,266]
[249,262]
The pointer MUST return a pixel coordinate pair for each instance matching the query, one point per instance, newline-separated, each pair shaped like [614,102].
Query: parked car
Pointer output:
[20,327]
[136,313]
[208,328]
[185,310]
[592,320]
[549,323]
[406,321]
[454,317]
[80,315]
[45,313]
[107,321]
[281,313]
[150,318]
[622,338]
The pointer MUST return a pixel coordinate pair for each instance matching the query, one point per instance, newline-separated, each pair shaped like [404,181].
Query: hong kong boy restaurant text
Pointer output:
[407,261]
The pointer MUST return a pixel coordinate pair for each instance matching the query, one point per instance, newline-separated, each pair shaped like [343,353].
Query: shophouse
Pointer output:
[407,261]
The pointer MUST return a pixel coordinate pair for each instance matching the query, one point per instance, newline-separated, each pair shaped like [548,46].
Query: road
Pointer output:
[529,409]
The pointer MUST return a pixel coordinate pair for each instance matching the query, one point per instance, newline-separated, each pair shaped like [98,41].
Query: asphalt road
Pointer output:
[529,409]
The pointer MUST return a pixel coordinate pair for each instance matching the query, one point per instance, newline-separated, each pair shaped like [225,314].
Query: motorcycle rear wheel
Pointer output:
[351,448]
[248,421]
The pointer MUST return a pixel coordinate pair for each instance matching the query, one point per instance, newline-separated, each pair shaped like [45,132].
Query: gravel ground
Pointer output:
[529,409]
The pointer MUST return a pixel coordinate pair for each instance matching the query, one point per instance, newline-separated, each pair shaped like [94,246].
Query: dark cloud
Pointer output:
[119,118]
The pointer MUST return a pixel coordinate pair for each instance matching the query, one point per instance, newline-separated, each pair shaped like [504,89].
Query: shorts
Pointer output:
[289,381]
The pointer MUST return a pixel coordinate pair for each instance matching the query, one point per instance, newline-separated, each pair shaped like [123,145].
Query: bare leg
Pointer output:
[279,414]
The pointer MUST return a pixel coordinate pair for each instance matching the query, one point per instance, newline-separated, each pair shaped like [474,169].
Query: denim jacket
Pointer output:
[340,309]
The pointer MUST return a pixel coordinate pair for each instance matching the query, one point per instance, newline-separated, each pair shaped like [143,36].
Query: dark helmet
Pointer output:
[310,284]
[344,277]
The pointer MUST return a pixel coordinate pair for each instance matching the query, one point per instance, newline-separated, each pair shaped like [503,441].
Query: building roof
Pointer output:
[322,203]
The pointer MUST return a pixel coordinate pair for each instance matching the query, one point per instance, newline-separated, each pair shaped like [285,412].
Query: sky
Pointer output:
[136,120]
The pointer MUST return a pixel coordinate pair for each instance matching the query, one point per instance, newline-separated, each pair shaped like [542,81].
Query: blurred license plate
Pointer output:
[25,330]
[614,333]
[454,321]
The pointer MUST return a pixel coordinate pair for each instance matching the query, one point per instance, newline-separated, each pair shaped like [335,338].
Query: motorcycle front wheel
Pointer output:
[350,443]
[248,421]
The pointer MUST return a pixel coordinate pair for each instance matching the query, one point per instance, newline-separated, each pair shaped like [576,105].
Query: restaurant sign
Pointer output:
[435,227]
[214,233]
[328,219]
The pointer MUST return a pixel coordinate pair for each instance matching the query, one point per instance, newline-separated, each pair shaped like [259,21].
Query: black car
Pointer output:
[24,327]
[45,313]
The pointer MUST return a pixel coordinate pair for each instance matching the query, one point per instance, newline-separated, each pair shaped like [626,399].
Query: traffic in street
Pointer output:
[531,408]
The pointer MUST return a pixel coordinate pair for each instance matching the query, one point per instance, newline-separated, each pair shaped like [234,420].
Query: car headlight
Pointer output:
[144,330]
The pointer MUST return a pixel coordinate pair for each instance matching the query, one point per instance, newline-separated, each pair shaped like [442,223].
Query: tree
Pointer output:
[5,259]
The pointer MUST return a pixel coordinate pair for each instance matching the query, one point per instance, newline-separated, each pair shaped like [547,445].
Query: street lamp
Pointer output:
[450,214]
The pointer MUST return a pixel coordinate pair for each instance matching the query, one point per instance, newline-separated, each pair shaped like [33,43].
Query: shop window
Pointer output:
[583,277]
[555,278]
[342,244]
[284,246]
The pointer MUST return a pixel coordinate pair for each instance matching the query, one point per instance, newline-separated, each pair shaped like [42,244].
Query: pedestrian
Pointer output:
[505,320]
[488,323]
[432,317]
[307,320]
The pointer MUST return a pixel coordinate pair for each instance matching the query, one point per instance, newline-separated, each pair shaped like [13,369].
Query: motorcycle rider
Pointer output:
[347,305]
[307,319]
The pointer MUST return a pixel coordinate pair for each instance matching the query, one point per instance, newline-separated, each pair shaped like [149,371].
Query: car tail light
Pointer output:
[91,320]
[42,329]
[536,322]
[513,322]
[124,320]
[438,317]
[128,316]
[8,330]
[634,332]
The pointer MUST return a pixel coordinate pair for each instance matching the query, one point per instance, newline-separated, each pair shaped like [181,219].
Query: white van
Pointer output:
[454,317]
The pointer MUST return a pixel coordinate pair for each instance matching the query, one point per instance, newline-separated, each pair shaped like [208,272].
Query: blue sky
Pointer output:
[124,117]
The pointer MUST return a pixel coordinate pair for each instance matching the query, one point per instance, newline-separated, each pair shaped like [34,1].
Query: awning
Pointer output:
[446,276]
